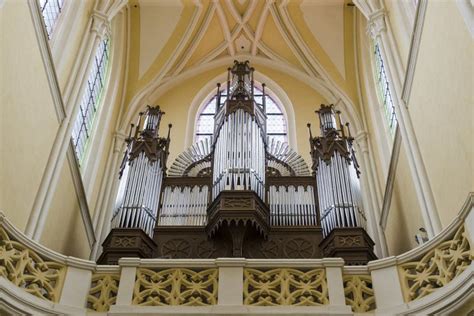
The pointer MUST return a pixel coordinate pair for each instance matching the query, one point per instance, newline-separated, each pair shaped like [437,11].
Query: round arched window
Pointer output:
[276,121]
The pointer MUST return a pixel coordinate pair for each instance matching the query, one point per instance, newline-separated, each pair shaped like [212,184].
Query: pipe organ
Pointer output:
[337,173]
[239,147]
[238,193]
[141,174]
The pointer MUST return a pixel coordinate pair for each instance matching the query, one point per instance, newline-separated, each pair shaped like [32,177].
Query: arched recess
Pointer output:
[274,90]
[326,88]
[159,86]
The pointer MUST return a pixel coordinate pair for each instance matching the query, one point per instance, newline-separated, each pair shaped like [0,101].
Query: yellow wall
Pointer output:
[399,25]
[441,110]
[70,48]
[28,118]
[442,104]
[404,218]
[64,230]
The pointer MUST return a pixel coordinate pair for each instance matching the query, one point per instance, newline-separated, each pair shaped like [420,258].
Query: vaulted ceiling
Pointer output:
[170,38]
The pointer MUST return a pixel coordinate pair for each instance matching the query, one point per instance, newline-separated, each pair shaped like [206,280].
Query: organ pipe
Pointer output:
[337,173]
[141,174]
[239,145]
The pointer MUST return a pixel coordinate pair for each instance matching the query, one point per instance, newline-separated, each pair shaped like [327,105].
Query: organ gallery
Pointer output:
[239,193]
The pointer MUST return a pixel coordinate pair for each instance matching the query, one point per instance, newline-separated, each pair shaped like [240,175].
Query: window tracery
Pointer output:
[91,99]
[276,121]
[50,9]
[383,89]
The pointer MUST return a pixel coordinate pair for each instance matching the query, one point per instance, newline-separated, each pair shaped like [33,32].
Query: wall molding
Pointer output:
[81,195]
[405,96]
[43,44]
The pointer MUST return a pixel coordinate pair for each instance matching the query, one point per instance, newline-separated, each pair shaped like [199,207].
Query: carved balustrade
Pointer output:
[36,280]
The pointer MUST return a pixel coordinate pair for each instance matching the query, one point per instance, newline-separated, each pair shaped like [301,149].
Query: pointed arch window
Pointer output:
[383,89]
[276,120]
[50,9]
[90,100]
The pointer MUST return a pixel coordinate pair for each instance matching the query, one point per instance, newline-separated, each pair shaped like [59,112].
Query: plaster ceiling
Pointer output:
[282,31]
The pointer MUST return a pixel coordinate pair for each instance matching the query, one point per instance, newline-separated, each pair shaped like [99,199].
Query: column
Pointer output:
[386,283]
[335,284]
[231,281]
[104,209]
[377,28]
[373,205]
[39,212]
[128,274]
[77,282]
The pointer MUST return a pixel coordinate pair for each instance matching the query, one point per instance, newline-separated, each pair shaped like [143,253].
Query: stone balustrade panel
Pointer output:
[103,291]
[177,286]
[30,271]
[285,287]
[436,268]
[359,293]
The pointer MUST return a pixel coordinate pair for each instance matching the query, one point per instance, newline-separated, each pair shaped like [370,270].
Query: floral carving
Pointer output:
[299,248]
[285,287]
[270,249]
[175,287]
[436,268]
[103,292]
[176,248]
[26,269]
[359,293]
[206,249]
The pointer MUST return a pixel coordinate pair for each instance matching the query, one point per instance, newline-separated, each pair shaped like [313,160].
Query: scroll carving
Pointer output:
[103,292]
[436,268]
[175,287]
[359,293]
[285,287]
[26,269]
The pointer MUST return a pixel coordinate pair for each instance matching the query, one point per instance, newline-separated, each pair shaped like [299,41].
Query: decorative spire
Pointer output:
[146,139]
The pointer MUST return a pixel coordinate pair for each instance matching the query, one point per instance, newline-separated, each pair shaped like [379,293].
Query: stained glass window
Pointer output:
[383,89]
[50,10]
[90,100]
[276,122]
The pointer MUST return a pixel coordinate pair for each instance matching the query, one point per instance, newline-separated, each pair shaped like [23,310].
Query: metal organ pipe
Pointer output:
[142,175]
[184,205]
[336,174]
[239,155]
[292,205]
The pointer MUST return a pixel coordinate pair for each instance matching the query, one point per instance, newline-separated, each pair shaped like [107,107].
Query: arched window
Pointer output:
[90,100]
[50,10]
[276,121]
[383,89]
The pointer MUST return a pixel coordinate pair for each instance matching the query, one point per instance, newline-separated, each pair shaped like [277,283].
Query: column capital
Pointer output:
[119,141]
[100,24]
[376,23]
[362,140]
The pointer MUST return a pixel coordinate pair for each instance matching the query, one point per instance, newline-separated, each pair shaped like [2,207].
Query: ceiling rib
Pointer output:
[197,39]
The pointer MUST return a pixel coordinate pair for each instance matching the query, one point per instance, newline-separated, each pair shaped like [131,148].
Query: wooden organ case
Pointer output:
[237,194]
